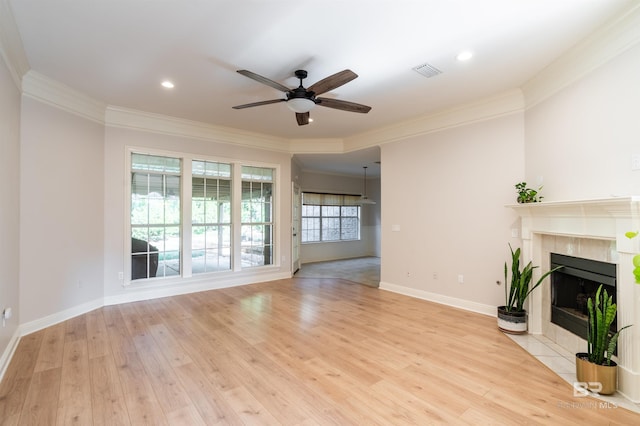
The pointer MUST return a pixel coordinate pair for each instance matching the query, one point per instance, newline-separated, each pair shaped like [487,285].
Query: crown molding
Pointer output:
[609,41]
[11,48]
[317,146]
[503,104]
[56,94]
[144,121]
[51,92]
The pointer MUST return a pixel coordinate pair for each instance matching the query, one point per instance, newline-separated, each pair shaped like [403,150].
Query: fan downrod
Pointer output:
[301,75]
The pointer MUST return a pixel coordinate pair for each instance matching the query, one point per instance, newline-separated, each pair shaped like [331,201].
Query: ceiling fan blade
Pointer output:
[254,104]
[302,118]
[264,80]
[343,105]
[333,81]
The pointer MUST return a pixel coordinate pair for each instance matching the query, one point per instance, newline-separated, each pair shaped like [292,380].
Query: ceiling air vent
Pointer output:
[427,70]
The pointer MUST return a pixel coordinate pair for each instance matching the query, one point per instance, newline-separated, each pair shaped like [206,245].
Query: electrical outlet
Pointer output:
[461,279]
[635,162]
[6,314]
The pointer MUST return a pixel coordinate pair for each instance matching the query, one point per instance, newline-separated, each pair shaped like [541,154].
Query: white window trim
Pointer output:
[186,185]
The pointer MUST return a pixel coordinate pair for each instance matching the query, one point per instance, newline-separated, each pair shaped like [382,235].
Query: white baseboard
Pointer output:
[467,305]
[8,352]
[135,295]
[39,324]
[629,383]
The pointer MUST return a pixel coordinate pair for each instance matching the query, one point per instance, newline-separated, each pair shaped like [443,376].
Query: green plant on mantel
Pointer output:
[527,195]
[636,258]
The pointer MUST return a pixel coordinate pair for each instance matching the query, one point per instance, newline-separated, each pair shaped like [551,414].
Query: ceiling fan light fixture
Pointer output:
[300,105]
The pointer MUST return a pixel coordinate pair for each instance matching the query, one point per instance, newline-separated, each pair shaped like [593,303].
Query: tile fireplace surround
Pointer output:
[592,229]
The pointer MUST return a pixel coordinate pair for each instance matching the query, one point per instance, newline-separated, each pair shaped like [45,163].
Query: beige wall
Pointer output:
[582,139]
[9,202]
[443,211]
[62,211]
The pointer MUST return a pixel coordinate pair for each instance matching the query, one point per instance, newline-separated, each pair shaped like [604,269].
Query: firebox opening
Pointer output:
[572,285]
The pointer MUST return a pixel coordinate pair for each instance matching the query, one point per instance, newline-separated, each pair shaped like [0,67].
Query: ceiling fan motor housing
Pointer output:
[301,92]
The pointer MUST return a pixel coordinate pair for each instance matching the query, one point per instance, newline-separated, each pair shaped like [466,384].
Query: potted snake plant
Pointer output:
[512,316]
[595,367]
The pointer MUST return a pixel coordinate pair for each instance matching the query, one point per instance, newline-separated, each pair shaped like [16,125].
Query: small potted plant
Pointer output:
[512,317]
[595,367]
[527,195]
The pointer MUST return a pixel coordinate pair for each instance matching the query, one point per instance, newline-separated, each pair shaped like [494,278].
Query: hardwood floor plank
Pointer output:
[52,348]
[41,402]
[119,340]
[74,402]
[172,351]
[251,412]
[207,399]
[76,328]
[97,338]
[187,416]
[414,408]
[141,401]
[107,397]
[329,380]
[139,396]
[287,352]
[17,378]
[168,391]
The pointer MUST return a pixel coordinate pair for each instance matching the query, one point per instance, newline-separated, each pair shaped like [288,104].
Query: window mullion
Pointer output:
[236,213]
[186,218]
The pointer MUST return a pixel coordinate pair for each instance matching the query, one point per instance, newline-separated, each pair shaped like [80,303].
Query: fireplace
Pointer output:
[591,229]
[574,283]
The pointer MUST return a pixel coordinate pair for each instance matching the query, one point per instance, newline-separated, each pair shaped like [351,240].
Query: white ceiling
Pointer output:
[119,51]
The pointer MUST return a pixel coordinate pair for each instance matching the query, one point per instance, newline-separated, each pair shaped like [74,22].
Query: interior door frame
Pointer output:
[296,208]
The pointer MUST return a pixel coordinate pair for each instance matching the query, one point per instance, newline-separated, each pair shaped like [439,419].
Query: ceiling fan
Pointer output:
[301,100]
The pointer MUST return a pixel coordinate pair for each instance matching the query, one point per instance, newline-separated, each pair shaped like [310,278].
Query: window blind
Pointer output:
[321,199]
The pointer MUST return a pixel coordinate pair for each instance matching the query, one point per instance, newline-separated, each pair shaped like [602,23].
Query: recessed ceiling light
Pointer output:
[310,120]
[167,84]
[464,55]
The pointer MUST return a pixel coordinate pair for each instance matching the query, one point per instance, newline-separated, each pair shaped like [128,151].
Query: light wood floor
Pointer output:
[362,270]
[301,351]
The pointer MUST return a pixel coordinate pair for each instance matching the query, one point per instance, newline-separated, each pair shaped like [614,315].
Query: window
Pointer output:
[192,216]
[210,216]
[330,217]
[155,216]
[257,216]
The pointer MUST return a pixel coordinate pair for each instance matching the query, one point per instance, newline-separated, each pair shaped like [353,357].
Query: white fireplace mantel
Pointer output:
[598,218]
[589,226]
